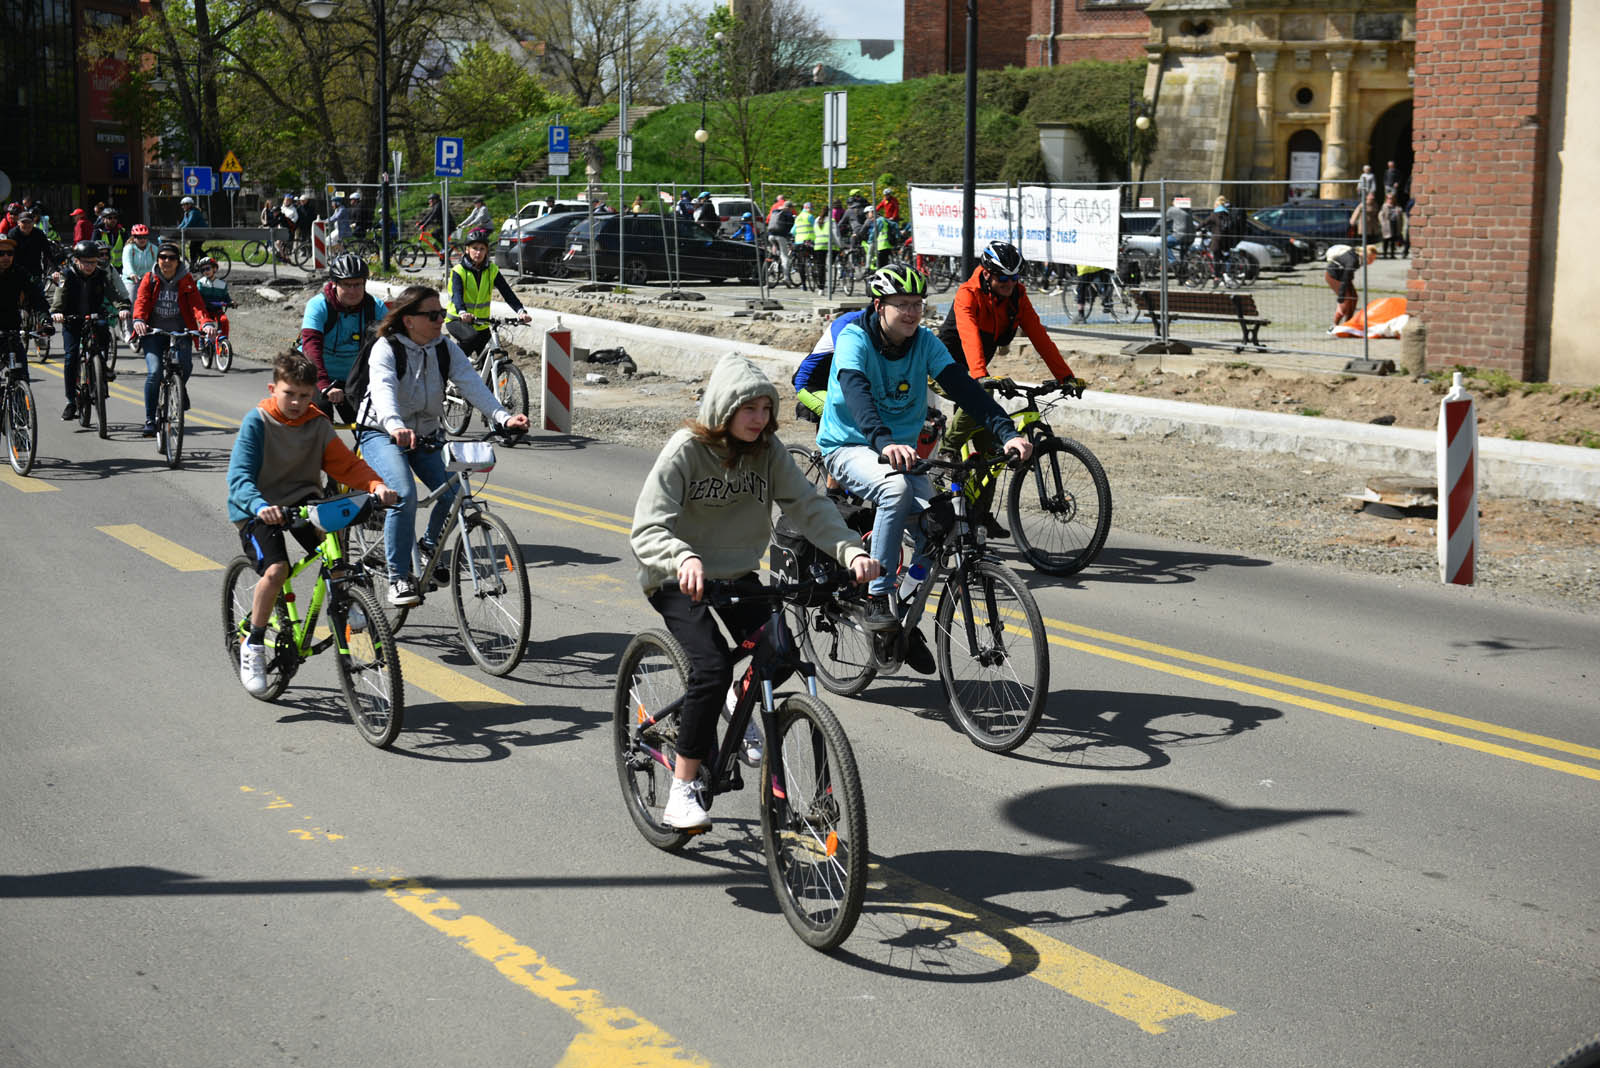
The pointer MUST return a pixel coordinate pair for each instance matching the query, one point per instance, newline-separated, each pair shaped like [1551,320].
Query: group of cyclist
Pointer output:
[808,236]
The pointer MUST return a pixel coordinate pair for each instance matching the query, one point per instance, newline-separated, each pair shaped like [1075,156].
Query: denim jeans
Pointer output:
[395,467]
[897,497]
[154,346]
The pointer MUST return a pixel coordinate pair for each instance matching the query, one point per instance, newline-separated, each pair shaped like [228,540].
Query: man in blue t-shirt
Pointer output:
[336,322]
[876,402]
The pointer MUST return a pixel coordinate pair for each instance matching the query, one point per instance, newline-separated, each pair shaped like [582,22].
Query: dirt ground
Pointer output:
[1277,505]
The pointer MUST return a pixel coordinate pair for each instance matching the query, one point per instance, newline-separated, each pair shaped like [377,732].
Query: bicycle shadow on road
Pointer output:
[1135,566]
[477,732]
[1108,730]
[56,469]
[546,554]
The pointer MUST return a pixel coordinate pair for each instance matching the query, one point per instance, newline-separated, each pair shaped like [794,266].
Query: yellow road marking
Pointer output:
[449,684]
[612,1034]
[152,544]
[586,519]
[1142,1001]
[26,485]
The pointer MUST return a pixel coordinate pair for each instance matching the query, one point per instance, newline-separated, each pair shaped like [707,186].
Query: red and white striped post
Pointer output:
[1458,485]
[319,245]
[555,379]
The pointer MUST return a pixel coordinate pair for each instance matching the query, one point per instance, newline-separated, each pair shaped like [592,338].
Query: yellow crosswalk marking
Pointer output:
[26,485]
[152,544]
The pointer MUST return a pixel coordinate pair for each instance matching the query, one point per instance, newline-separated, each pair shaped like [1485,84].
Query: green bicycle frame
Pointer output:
[975,486]
[329,553]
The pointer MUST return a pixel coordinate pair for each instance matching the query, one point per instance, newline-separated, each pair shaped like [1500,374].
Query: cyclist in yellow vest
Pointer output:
[473,283]
[824,239]
[805,231]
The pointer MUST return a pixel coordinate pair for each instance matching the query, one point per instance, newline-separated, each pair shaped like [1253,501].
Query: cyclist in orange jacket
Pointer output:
[988,310]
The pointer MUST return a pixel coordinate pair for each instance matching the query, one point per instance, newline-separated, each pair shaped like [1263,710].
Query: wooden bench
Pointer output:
[1206,306]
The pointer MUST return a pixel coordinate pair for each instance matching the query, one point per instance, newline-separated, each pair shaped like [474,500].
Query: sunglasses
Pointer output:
[433,316]
[166,257]
[6,252]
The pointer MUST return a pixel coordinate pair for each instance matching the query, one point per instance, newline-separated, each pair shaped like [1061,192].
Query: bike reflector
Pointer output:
[338,513]
[468,456]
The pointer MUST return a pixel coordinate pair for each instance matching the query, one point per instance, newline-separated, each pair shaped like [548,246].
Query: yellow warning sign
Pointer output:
[231,163]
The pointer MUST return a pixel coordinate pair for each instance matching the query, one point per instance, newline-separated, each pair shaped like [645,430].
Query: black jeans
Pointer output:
[710,660]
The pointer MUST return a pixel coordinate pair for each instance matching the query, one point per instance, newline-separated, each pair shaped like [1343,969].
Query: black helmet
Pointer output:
[87,250]
[347,265]
[896,279]
[1003,260]
[479,235]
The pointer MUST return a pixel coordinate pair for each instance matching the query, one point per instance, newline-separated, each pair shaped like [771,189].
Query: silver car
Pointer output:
[1141,239]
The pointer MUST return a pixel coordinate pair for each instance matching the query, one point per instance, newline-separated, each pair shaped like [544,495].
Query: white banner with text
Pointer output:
[1077,226]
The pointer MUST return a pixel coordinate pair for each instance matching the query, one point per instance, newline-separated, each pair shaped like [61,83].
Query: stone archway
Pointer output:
[1304,157]
[1391,140]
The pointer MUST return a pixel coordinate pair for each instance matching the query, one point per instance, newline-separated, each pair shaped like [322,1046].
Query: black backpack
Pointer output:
[360,376]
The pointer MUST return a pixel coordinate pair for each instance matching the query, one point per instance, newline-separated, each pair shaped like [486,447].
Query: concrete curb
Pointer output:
[1506,468]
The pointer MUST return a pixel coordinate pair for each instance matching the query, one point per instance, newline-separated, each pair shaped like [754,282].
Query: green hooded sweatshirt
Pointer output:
[692,504]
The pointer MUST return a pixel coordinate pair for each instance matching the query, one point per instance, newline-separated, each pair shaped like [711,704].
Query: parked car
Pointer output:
[730,212]
[537,246]
[650,244]
[534,210]
[1320,222]
[1141,237]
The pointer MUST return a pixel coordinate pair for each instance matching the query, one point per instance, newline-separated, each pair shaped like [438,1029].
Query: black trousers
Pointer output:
[694,624]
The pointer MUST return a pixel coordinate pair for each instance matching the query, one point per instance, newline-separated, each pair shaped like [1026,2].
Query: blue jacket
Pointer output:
[192,217]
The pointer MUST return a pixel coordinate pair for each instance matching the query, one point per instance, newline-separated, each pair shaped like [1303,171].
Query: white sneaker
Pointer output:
[253,668]
[751,751]
[684,810]
[403,592]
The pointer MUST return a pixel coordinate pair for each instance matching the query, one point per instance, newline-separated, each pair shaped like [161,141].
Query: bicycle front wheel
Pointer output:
[511,388]
[489,588]
[224,261]
[814,823]
[255,253]
[98,390]
[22,427]
[1059,506]
[238,595]
[369,669]
[993,659]
[224,354]
[651,680]
[457,412]
[170,419]
[364,545]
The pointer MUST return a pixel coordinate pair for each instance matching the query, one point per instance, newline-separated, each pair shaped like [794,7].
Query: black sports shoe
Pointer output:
[441,570]
[919,657]
[69,413]
[992,527]
[880,614]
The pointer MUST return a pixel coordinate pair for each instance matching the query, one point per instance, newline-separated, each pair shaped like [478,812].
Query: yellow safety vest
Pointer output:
[477,291]
[822,239]
[881,240]
[805,227]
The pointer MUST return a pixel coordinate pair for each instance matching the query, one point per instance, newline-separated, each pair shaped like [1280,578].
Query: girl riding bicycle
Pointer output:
[705,513]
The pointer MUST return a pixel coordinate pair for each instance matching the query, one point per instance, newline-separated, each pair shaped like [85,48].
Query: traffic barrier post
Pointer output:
[1458,485]
[555,379]
[319,244]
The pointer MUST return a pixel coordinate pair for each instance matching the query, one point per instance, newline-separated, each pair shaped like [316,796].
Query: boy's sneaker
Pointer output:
[919,657]
[750,751]
[441,570]
[253,668]
[992,527]
[684,811]
[149,431]
[880,614]
[403,593]
[69,413]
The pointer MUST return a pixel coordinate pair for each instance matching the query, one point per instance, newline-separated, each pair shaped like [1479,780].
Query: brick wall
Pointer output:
[936,36]
[1480,123]
[1110,34]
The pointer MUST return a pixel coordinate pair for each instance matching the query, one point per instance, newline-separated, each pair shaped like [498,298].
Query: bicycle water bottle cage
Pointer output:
[469,456]
[334,515]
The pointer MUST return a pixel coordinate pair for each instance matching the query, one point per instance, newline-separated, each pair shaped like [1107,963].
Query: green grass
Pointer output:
[1309,411]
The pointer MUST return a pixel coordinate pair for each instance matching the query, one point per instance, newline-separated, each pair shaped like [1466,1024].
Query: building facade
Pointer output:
[1065,31]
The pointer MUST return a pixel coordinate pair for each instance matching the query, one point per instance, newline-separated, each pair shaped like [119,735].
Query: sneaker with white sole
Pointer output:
[403,593]
[684,811]
[750,750]
[253,668]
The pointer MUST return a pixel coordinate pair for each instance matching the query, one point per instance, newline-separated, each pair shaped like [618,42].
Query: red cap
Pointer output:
[77,211]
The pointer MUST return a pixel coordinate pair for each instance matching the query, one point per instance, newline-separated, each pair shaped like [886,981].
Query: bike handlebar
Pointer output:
[723,592]
[956,468]
[1006,387]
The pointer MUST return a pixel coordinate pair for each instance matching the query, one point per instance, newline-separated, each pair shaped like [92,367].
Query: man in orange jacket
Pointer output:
[988,309]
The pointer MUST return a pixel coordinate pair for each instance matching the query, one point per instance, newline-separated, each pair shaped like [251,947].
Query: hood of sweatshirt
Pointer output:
[734,381]
[270,406]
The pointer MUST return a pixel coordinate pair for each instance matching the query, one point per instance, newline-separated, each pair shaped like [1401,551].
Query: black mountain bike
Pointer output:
[499,372]
[170,396]
[990,647]
[813,816]
[19,419]
[90,399]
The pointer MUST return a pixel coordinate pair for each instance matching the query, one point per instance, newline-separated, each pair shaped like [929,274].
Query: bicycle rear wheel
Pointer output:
[22,427]
[511,388]
[644,731]
[833,640]
[993,659]
[169,419]
[97,392]
[369,669]
[224,354]
[1059,506]
[1586,1055]
[457,412]
[255,253]
[489,588]
[814,823]
[224,261]
[238,594]
[300,253]
[809,461]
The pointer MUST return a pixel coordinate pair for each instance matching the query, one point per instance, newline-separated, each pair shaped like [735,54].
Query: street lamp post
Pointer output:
[322,9]
[702,135]
[1137,120]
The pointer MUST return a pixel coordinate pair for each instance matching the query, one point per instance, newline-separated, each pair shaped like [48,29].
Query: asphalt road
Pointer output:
[1272,816]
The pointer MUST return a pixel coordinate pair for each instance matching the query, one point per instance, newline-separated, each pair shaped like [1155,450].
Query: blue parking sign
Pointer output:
[558,136]
[449,153]
[197,181]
